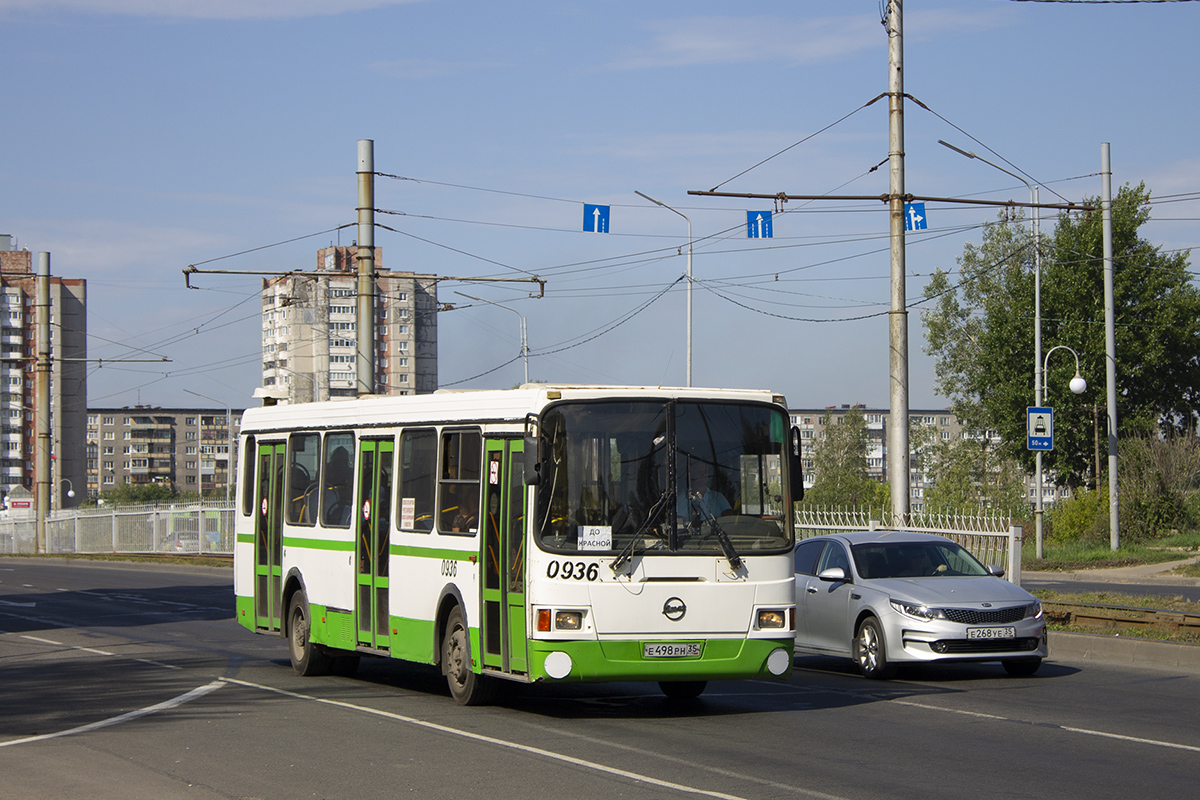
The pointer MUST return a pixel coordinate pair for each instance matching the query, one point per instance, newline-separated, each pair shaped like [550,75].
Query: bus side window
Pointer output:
[337,480]
[459,481]
[418,479]
[249,458]
[302,491]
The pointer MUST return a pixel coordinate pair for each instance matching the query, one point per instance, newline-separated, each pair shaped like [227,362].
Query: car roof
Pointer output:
[877,536]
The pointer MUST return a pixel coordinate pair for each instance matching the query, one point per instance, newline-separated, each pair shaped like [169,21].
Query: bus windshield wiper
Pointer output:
[625,557]
[731,555]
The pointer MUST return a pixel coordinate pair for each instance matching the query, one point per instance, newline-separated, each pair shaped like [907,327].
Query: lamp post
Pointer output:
[1077,385]
[1038,371]
[524,343]
[689,279]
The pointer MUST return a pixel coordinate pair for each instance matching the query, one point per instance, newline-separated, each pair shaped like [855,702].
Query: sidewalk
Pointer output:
[1124,649]
[1144,573]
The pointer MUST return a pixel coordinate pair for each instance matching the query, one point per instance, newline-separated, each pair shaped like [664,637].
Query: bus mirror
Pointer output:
[796,467]
[533,467]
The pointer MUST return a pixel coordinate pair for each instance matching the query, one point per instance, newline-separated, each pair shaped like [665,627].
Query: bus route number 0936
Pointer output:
[573,570]
[449,568]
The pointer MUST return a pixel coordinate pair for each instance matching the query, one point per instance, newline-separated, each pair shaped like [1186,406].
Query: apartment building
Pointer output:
[190,449]
[310,330]
[67,381]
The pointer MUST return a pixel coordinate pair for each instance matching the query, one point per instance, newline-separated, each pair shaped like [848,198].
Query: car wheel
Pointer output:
[1022,667]
[870,651]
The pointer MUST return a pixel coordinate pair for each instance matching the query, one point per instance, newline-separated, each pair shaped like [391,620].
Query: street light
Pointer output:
[1038,370]
[1077,385]
[524,345]
[689,279]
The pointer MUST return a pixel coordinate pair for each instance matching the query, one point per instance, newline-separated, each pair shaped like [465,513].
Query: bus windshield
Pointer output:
[667,476]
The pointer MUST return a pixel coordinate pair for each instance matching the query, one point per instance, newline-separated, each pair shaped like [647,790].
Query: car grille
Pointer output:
[972,616]
[960,646]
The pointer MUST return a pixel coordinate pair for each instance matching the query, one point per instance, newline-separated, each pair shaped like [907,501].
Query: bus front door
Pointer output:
[374,526]
[504,557]
[268,536]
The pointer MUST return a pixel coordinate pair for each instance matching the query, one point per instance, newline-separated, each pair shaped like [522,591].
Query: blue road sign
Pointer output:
[914,217]
[595,218]
[1040,425]
[758,224]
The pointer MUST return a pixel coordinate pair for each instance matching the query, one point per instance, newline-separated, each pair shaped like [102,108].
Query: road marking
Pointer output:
[71,646]
[536,751]
[199,691]
[1068,728]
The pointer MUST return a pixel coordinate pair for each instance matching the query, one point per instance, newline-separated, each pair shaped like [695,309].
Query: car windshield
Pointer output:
[914,560]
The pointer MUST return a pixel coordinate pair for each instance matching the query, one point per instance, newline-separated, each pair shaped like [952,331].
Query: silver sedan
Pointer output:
[884,598]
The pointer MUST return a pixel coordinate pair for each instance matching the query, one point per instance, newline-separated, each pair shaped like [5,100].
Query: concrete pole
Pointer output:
[42,390]
[366,266]
[897,456]
[1110,345]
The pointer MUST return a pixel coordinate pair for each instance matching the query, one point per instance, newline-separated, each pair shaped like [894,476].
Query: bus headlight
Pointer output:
[568,620]
[772,618]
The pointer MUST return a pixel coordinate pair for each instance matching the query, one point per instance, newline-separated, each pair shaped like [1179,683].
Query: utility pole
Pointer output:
[1110,345]
[897,454]
[41,495]
[366,266]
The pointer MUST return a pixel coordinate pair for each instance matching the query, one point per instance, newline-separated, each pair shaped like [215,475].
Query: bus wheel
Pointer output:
[467,687]
[308,658]
[682,690]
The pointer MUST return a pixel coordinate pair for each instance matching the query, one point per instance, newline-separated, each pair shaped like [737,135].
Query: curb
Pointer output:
[1124,650]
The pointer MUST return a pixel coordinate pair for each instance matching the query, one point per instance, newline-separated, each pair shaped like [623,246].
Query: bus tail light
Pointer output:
[543,620]
[771,618]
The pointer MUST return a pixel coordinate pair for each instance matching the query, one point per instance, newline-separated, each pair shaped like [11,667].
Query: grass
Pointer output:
[1070,556]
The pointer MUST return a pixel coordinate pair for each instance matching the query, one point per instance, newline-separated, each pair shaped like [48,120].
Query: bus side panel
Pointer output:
[243,577]
[326,569]
[422,567]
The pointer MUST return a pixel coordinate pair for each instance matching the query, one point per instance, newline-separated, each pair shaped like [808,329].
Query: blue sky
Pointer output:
[141,136]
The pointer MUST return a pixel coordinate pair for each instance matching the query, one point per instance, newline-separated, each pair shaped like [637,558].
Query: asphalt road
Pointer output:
[133,681]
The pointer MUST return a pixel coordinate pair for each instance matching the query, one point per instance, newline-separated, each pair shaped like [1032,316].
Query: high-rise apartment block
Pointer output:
[310,330]
[68,378]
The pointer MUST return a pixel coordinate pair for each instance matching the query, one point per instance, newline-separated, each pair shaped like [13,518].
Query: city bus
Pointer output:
[540,534]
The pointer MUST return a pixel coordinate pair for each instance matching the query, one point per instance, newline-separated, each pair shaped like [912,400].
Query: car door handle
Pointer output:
[855,596]
[812,590]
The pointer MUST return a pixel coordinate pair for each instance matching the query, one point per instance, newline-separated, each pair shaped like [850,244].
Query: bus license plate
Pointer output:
[671,650]
[991,633]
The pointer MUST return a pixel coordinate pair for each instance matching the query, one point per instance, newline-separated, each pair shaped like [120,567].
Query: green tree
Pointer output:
[133,494]
[971,474]
[840,464]
[980,331]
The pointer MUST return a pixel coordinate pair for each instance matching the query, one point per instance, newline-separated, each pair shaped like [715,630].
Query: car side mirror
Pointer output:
[995,570]
[833,575]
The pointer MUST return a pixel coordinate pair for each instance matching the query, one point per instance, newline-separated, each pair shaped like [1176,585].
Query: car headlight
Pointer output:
[1034,610]
[918,610]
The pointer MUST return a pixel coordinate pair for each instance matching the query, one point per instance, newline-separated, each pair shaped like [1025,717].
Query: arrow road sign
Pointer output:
[595,218]
[758,224]
[914,217]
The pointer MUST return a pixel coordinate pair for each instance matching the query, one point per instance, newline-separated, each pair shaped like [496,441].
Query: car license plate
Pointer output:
[991,633]
[671,650]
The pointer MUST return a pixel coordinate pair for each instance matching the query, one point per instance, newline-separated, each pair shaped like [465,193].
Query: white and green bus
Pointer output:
[546,533]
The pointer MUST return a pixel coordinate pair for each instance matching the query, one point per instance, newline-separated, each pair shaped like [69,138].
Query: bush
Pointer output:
[1083,517]
[1158,480]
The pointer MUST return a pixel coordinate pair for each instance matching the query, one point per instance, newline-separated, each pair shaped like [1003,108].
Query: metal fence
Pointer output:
[207,528]
[184,528]
[992,538]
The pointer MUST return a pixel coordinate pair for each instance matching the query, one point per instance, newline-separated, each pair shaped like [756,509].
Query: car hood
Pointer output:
[946,591]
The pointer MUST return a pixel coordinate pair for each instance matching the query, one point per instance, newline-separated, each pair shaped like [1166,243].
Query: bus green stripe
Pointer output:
[317,544]
[431,552]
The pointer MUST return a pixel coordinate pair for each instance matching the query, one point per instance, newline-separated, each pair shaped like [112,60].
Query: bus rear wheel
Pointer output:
[467,687]
[682,690]
[307,657]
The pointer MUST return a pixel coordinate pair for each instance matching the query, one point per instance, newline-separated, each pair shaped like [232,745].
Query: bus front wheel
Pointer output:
[467,687]
[307,657]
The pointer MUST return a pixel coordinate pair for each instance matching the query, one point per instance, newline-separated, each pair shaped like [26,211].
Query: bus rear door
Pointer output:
[268,536]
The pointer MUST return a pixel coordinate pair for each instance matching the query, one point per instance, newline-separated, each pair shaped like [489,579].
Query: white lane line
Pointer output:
[536,751]
[199,691]
[1069,729]
[70,646]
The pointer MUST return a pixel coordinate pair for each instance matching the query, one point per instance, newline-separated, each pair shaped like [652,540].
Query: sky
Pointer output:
[144,136]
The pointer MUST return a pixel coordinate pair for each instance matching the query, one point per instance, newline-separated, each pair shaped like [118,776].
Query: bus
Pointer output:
[540,534]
